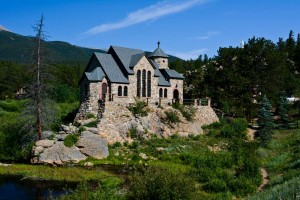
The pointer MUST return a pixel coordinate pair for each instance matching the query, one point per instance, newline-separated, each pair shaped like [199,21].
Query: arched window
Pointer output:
[149,84]
[144,83]
[160,92]
[165,93]
[120,91]
[138,83]
[125,91]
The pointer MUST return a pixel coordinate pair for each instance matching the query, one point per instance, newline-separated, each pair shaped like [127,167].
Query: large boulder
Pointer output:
[44,143]
[59,154]
[92,145]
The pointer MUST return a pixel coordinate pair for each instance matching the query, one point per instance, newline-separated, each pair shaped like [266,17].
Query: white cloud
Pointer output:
[208,35]
[193,54]
[152,12]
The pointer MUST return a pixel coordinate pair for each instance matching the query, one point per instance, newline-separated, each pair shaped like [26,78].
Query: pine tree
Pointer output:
[265,121]
[283,110]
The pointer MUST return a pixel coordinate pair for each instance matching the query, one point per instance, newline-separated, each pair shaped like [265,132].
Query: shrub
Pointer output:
[188,112]
[70,140]
[92,124]
[90,115]
[139,108]
[116,144]
[172,116]
[160,183]
[81,129]
[133,132]
[134,145]
[215,185]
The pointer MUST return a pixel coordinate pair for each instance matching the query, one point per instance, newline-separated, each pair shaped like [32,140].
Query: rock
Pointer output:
[44,143]
[88,165]
[93,130]
[92,145]
[60,137]
[117,154]
[143,156]
[69,129]
[59,154]
[61,132]
[38,150]
[47,134]
[4,165]
[160,148]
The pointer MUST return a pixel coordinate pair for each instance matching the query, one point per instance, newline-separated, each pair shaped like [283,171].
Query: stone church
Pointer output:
[122,74]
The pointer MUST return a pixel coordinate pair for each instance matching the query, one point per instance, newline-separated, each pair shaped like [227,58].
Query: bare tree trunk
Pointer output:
[39,85]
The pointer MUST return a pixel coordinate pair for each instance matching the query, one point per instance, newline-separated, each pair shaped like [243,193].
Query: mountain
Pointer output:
[17,48]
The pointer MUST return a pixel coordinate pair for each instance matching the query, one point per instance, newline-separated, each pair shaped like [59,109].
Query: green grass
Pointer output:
[289,190]
[68,174]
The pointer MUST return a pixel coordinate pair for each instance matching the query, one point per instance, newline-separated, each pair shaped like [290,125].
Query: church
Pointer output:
[122,75]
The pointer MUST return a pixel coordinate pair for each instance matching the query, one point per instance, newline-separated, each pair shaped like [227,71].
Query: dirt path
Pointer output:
[264,173]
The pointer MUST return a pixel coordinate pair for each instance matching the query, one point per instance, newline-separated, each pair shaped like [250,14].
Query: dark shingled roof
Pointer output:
[171,74]
[96,75]
[135,59]
[125,56]
[111,68]
[161,79]
[158,53]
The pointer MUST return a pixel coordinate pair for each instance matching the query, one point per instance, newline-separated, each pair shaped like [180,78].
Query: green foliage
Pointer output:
[287,190]
[90,115]
[70,140]
[172,116]
[133,132]
[265,121]
[81,129]
[160,183]
[283,111]
[91,124]
[188,112]
[139,108]
[116,144]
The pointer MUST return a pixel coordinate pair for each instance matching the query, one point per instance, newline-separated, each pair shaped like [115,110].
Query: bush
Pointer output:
[70,140]
[172,116]
[160,183]
[92,124]
[81,129]
[188,112]
[116,144]
[215,185]
[139,108]
[133,132]
[134,145]
[90,115]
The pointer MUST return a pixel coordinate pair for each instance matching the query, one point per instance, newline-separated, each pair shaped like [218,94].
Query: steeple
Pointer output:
[160,57]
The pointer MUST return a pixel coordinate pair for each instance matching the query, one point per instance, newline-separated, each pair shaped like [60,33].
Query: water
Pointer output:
[14,187]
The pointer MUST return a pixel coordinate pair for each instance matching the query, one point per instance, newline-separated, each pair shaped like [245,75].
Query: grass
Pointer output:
[68,174]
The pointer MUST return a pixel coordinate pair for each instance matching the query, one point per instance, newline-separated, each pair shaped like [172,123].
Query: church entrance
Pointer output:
[176,95]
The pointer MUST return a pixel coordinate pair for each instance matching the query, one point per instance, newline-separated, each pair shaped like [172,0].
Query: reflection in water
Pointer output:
[13,187]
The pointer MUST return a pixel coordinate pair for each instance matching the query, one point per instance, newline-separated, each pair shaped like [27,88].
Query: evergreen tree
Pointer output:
[265,121]
[283,110]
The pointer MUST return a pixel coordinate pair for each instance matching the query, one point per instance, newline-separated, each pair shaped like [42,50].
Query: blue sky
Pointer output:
[185,28]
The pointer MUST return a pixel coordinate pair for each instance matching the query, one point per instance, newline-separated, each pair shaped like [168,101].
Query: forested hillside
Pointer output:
[237,78]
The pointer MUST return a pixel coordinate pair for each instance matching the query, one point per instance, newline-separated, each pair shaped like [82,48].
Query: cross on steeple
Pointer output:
[158,43]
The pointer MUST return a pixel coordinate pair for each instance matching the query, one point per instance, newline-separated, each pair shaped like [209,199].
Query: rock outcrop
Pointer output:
[117,122]
[54,152]
[92,145]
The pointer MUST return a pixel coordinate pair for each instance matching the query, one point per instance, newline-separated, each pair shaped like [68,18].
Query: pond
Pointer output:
[14,187]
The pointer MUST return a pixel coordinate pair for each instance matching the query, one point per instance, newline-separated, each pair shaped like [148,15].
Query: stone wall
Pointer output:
[162,62]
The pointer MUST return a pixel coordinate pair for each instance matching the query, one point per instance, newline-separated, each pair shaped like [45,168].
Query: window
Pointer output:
[125,91]
[120,91]
[138,83]
[144,83]
[165,93]
[160,92]
[149,84]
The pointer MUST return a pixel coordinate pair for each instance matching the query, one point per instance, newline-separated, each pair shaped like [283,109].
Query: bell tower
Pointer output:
[160,57]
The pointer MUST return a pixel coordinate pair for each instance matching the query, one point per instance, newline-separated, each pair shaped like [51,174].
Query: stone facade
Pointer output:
[149,76]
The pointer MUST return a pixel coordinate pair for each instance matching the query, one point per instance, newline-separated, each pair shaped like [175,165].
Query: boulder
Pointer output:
[88,165]
[93,130]
[38,150]
[47,134]
[60,137]
[143,156]
[92,145]
[44,143]
[70,129]
[59,154]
